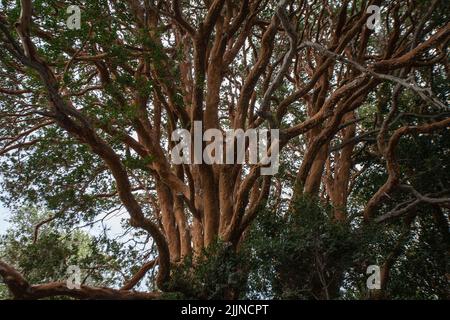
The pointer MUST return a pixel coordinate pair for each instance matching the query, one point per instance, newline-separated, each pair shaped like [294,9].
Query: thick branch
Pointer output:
[21,289]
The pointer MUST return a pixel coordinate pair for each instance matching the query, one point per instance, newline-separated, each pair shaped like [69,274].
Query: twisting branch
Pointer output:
[392,164]
[39,225]
[180,20]
[133,281]
[21,289]
[409,205]
[80,127]
[425,93]
[292,35]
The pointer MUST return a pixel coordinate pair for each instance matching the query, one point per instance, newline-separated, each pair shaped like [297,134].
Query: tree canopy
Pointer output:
[88,114]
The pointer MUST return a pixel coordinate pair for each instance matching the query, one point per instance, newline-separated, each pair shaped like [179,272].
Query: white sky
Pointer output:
[4,214]
[112,222]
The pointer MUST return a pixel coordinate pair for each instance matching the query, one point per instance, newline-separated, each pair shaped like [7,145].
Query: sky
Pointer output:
[4,213]
[112,222]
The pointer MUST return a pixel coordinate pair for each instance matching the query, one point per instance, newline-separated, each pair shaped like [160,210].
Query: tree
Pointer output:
[82,108]
[46,253]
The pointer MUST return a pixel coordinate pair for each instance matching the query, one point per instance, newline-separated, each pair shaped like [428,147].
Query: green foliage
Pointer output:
[137,162]
[48,258]
[296,255]
[292,253]
[299,252]
[422,272]
[28,182]
[219,272]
